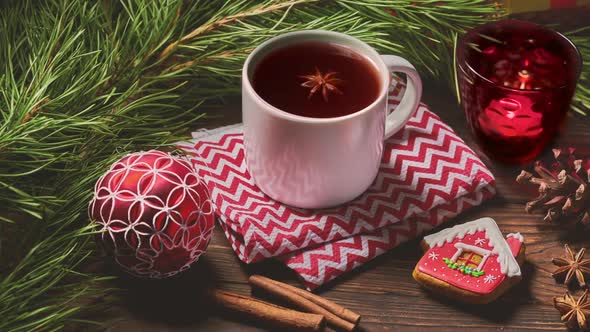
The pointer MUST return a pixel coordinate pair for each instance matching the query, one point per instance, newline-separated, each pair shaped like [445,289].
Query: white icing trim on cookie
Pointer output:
[508,264]
[517,236]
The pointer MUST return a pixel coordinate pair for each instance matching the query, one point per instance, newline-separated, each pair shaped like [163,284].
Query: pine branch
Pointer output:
[581,38]
[269,7]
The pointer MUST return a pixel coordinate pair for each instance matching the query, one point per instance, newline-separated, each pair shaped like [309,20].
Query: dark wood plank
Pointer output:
[383,290]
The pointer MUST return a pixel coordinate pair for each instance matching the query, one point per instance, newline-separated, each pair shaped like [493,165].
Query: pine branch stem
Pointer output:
[222,21]
[35,110]
[209,59]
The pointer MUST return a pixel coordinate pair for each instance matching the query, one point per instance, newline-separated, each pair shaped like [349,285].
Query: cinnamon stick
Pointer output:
[269,313]
[336,315]
[334,308]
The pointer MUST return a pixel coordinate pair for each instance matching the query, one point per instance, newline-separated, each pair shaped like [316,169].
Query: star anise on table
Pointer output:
[572,266]
[325,82]
[573,312]
[564,187]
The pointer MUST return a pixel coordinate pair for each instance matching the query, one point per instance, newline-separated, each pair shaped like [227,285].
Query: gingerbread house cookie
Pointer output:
[471,262]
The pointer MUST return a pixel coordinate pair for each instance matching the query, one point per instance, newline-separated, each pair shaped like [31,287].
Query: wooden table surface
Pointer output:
[382,290]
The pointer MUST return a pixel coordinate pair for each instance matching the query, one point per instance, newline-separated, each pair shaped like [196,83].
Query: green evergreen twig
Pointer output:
[581,38]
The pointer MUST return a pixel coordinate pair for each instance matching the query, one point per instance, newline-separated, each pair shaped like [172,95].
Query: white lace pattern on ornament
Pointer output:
[136,230]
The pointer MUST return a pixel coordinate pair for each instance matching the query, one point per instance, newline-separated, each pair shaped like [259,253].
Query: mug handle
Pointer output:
[395,120]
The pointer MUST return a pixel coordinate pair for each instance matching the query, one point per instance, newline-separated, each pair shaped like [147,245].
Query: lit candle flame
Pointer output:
[523,76]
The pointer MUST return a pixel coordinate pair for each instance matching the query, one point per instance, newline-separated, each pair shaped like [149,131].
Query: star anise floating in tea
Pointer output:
[574,312]
[572,266]
[564,187]
[325,83]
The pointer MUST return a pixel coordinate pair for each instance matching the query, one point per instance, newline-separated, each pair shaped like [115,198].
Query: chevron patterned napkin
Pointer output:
[427,175]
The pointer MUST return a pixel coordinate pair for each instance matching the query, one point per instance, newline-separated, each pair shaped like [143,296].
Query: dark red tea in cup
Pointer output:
[317,80]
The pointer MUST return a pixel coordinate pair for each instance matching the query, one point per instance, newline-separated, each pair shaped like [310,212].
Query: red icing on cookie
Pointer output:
[432,263]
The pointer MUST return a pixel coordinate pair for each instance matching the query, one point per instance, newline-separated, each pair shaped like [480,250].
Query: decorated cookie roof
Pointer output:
[508,264]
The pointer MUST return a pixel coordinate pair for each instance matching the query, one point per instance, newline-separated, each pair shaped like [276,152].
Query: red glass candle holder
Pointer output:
[516,81]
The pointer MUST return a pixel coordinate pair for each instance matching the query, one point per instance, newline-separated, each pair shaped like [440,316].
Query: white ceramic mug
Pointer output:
[321,162]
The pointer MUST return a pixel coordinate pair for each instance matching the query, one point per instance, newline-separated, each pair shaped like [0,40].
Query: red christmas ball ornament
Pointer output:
[155,213]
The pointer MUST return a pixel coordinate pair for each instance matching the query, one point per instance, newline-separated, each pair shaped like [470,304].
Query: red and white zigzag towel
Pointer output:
[427,175]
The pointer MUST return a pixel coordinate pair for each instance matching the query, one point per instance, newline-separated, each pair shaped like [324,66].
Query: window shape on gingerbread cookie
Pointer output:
[470,256]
